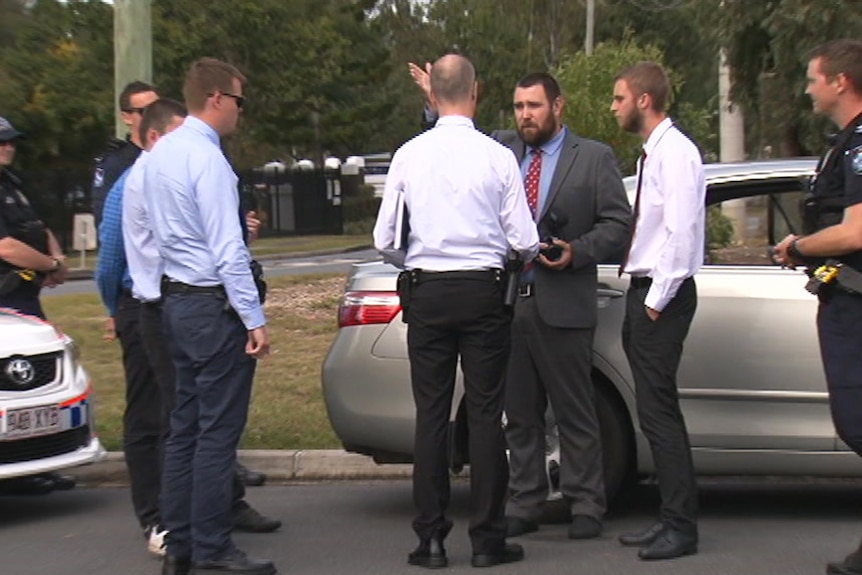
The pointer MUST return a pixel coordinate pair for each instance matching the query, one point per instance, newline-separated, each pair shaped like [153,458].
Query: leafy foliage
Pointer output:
[587,83]
[767,44]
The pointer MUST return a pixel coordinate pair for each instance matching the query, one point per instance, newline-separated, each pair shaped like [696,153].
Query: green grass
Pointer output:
[287,410]
[262,247]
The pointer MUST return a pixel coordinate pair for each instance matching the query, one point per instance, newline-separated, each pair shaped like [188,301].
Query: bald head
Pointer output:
[452,79]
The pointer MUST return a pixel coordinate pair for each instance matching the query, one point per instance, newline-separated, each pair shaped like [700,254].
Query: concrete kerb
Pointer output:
[280,466]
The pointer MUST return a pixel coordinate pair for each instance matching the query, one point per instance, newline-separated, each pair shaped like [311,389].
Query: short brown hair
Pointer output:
[548,82]
[648,78]
[206,76]
[132,88]
[158,116]
[841,57]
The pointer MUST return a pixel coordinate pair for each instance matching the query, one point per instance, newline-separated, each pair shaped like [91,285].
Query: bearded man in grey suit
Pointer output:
[580,205]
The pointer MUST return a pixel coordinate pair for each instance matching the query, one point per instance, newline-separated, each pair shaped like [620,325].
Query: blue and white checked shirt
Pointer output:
[112,273]
[193,202]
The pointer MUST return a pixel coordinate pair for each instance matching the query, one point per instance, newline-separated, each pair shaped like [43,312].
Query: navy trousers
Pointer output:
[213,378]
[839,326]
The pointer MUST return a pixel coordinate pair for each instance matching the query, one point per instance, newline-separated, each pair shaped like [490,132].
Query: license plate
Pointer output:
[32,421]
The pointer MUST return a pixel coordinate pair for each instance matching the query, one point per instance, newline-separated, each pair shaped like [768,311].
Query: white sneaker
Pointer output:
[156,540]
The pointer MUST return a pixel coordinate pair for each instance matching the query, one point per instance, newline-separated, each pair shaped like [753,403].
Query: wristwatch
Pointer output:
[57,264]
[793,251]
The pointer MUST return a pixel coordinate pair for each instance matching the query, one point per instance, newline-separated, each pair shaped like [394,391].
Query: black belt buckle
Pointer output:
[526,290]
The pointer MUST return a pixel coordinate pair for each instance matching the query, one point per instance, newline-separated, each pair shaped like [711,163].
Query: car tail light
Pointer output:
[367,307]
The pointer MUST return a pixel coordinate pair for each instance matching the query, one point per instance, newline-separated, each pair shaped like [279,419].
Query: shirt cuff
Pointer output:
[254,319]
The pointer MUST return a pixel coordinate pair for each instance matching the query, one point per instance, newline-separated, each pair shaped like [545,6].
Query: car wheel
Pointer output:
[617,445]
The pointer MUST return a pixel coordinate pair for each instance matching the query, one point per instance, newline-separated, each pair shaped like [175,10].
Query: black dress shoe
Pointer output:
[642,538]
[852,565]
[172,565]
[237,562]
[584,527]
[516,526]
[430,554]
[250,478]
[669,544]
[247,518]
[511,553]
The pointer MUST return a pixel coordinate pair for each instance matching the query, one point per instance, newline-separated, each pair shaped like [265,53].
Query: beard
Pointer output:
[633,123]
[535,135]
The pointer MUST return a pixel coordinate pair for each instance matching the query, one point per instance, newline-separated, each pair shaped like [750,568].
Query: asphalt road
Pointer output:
[759,527]
[320,264]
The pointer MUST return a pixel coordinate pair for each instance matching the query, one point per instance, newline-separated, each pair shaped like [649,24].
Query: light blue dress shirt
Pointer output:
[193,202]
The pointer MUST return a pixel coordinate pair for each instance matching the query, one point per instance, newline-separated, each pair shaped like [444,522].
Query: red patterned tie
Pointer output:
[635,214]
[531,182]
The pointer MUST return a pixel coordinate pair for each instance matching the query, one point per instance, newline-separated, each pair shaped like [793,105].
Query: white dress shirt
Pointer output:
[193,203]
[142,255]
[465,198]
[668,242]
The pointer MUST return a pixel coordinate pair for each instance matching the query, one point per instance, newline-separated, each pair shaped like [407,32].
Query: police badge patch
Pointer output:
[99,178]
[856,160]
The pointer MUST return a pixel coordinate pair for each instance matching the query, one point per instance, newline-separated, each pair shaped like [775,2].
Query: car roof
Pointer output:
[752,170]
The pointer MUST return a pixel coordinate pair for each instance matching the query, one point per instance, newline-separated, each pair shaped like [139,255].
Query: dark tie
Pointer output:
[635,214]
[531,182]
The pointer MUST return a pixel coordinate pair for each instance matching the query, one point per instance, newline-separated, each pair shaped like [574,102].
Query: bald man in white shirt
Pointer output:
[665,251]
[467,209]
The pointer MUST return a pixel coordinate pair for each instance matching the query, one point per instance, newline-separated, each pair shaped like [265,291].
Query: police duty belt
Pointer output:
[833,272]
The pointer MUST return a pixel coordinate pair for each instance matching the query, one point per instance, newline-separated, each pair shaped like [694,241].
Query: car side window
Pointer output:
[745,218]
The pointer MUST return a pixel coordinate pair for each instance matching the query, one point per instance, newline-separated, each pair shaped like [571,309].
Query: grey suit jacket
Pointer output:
[587,190]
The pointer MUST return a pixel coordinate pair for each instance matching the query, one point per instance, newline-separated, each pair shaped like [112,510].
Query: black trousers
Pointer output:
[451,318]
[654,350]
[552,363]
[155,343]
[839,326]
[142,418]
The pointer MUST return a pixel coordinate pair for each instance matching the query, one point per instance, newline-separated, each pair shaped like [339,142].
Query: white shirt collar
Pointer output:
[656,135]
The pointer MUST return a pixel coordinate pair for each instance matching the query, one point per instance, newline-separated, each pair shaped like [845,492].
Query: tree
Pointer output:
[587,84]
[767,45]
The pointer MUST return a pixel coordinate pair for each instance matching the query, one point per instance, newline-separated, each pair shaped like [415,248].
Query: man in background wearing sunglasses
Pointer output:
[121,154]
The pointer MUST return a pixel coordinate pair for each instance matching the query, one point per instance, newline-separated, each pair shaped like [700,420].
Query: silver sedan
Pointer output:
[751,383]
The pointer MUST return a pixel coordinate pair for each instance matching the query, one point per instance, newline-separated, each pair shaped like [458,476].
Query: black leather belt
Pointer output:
[173,287]
[421,276]
[527,290]
[639,283]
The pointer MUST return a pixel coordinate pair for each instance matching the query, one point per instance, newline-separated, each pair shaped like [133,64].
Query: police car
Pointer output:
[46,415]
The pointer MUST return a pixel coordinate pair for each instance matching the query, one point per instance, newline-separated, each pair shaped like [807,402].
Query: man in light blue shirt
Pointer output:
[213,320]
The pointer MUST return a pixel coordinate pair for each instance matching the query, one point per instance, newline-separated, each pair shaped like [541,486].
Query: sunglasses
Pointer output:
[134,111]
[240,100]
[10,143]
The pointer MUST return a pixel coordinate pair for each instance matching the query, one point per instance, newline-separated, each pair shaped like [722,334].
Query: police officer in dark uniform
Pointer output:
[832,247]
[121,154]
[30,256]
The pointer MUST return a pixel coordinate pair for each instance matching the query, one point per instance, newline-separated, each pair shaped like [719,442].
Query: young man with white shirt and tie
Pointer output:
[665,251]
[467,209]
